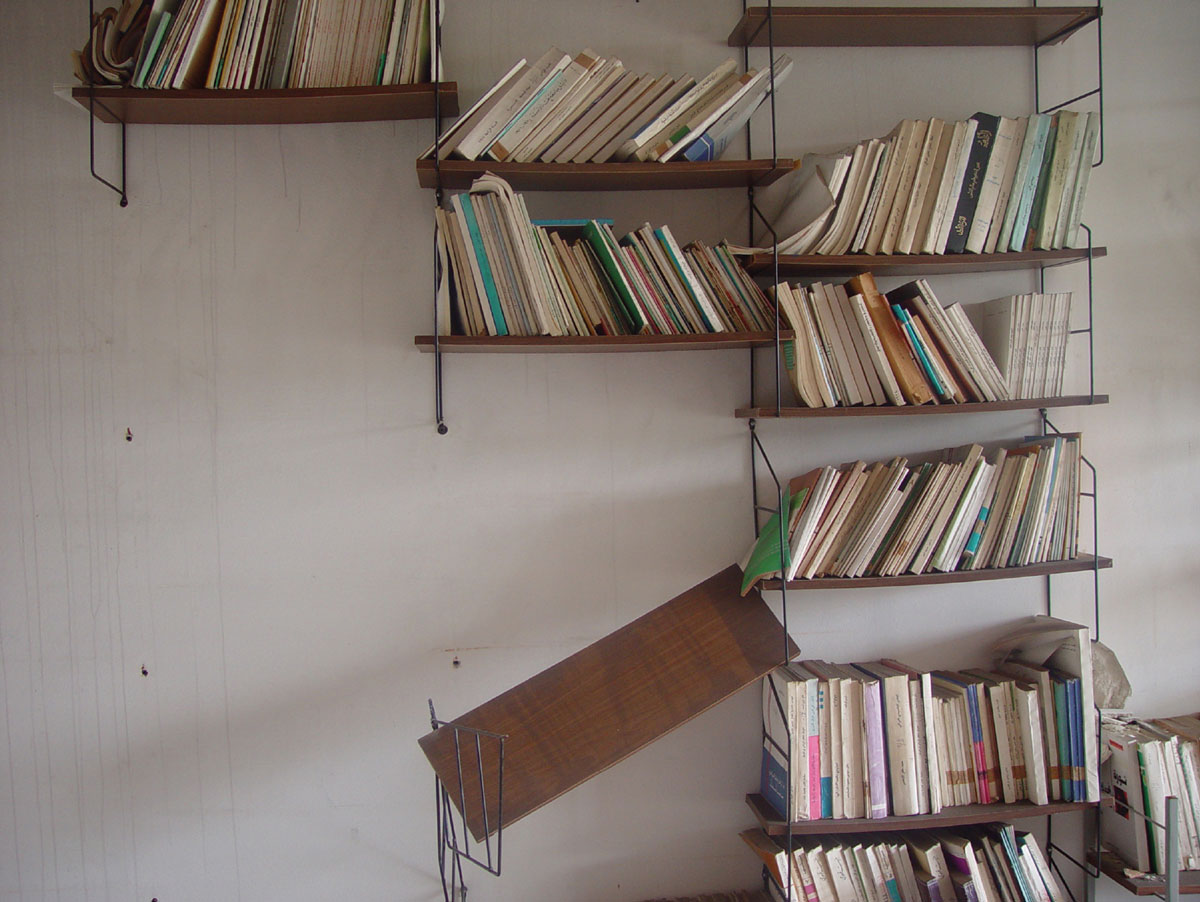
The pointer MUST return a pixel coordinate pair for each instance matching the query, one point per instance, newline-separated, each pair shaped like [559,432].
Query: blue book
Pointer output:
[1079,772]
[1062,718]
[701,150]
[485,269]
[773,776]
[905,320]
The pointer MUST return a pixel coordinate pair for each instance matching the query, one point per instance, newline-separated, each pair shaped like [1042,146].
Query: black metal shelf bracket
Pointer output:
[92,104]
[438,194]
[453,834]
[1097,92]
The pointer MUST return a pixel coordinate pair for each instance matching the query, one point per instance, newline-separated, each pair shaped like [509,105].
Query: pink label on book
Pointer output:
[814,777]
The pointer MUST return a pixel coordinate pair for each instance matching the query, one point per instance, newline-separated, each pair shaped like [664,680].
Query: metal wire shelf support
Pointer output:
[438,194]
[756,449]
[1097,92]
[453,834]
[92,104]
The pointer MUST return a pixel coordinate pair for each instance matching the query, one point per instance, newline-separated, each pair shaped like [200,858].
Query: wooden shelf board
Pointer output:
[1151,884]
[775,825]
[913,264]
[458,174]
[602,704]
[1077,564]
[268,107]
[594,344]
[903,26]
[922,410]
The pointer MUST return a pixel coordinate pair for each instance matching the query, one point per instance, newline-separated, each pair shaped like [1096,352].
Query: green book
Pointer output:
[770,554]
[1062,721]
[164,23]
[609,259]
[485,269]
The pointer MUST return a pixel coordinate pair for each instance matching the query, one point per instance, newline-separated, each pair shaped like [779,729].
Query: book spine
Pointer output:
[876,757]
[982,145]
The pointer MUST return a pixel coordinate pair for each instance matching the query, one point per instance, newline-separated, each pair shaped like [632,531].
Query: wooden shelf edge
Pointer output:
[1077,564]
[770,413]
[596,707]
[288,106]
[906,26]
[458,174]
[593,344]
[774,825]
[914,264]
[1149,885]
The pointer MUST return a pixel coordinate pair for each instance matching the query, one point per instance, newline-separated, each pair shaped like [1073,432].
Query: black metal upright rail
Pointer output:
[92,104]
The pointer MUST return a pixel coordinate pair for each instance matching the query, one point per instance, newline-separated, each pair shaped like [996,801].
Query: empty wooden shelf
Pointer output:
[602,704]
[906,26]
[1150,884]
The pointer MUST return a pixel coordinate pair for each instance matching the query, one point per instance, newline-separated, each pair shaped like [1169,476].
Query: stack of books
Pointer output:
[985,863]
[111,51]
[588,108]
[982,185]
[961,510]
[258,44]
[854,345]
[881,739]
[501,274]
[1027,337]
[1151,759]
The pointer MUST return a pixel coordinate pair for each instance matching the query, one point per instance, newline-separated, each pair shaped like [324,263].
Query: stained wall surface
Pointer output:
[236,560]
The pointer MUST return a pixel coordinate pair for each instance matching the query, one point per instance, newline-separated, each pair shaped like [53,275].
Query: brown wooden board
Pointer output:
[589,344]
[905,26]
[1077,564]
[267,107]
[887,410]
[1150,884]
[773,823]
[458,174]
[602,704]
[827,265]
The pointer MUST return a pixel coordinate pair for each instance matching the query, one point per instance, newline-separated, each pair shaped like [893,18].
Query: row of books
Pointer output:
[589,108]
[259,44]
[854,345]
[880,739]
[960,510]
[501,274]
[1150,759]
[984,863]
[981,185]
[1027,335]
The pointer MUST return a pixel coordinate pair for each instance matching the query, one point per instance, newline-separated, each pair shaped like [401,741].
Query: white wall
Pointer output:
[296,558]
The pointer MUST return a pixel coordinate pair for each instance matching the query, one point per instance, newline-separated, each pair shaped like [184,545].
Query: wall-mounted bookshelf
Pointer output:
[904,26]
[459,174]
[774,825]
[593,344]
[287,106]
[1146,884]
[792,413]
[914,264]
[1077,564]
